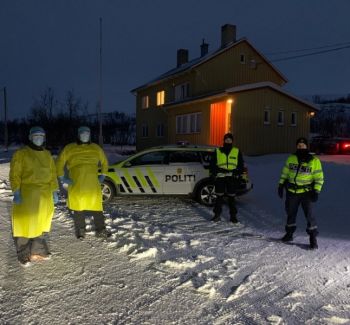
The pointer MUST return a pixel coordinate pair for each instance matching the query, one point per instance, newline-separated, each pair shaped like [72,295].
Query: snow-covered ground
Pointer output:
[166,263]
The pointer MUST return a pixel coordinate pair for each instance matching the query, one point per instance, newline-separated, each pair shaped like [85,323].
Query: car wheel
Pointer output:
[205,193]
[108,191]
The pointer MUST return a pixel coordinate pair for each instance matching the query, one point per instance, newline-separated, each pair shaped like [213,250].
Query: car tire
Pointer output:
[205,193]
[108,191]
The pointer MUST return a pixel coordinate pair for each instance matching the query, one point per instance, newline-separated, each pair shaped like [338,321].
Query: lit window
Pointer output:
[145,102]
[293,120]
[267,114]
[144,130]
[160,97]
[280,118]
[160,130]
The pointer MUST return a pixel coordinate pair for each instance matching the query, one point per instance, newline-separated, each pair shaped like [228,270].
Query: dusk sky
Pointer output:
[55,43]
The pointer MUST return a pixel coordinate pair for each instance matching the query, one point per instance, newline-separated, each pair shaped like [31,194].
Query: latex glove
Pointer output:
[101,178]
[17,197]
[55,197]
[313,196]
[65,180]
[280,190]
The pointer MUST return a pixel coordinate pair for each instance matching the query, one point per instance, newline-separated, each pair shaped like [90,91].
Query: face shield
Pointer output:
[84,136]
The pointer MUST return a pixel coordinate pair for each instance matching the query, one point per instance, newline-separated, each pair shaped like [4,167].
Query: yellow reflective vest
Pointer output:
[33,173]
[301,178]
[228,162]
[83,162]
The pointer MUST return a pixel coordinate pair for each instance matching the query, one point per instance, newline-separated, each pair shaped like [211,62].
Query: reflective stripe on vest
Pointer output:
[304,177]
[229,162]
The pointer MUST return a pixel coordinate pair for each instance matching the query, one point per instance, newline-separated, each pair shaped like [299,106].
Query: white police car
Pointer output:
[166,170]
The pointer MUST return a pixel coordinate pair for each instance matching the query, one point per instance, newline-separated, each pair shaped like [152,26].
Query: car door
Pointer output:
[143,174]
[182,171]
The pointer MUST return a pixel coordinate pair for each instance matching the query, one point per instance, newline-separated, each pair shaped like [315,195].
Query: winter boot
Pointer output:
[80,233]
[216,218]
[24,260]
[313,242]
[104,234]
[233,219]
[287,237]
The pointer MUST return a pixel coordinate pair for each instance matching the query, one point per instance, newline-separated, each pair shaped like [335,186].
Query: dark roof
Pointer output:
[200,60]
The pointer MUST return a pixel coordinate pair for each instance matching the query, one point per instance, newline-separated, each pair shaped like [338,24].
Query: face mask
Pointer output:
[84,137]
[302,153]
[38,140]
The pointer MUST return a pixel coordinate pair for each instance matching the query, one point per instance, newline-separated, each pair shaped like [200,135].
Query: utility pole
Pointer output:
[100,136]
[5,121]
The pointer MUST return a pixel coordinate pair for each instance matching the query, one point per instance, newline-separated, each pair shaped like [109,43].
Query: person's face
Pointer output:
[38,139]
[84,136]
[228,141]
[301,145]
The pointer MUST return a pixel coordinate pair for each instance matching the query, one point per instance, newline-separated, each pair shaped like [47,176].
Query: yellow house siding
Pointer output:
[225,70]
[252,136]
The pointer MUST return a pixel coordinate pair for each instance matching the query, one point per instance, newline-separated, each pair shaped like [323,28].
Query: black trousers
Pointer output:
[79,221]
[225,185]
[293,201]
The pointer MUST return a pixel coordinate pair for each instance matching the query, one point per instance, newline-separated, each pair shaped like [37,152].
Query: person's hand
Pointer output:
[280,190]
[101,178]
[55,197]
[313,196]
[17,197]
[65,180]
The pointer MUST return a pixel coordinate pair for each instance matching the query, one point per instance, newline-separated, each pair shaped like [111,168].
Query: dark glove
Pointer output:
[280,190]
[236,173]
[313,196]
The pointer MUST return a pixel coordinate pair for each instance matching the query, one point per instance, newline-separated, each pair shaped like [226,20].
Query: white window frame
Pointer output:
[189,123]
[280,123]
[145,102]
[268,121]
[160,97]
[295,119]
[181,91]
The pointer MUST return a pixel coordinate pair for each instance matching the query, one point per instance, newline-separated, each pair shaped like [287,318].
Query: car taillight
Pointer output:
[346,145]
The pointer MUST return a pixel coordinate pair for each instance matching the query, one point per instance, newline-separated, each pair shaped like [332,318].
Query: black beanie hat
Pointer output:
[302,140]
[228,135]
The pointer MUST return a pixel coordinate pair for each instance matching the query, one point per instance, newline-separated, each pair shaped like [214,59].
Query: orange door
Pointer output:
[218,123]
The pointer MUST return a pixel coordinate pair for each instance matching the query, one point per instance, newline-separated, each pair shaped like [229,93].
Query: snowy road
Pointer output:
[167,264]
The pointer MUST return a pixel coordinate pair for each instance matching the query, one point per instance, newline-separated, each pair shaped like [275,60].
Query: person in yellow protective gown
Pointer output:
[34,184]
[82,160]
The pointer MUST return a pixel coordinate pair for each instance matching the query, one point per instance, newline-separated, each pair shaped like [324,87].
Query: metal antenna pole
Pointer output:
[100,137]
[5,120]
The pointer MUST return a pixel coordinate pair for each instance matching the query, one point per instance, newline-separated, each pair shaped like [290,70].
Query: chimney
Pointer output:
[204,48]
[228,34]
[182,57]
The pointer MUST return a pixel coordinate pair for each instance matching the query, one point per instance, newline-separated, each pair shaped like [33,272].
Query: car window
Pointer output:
[150,158]
[184,157]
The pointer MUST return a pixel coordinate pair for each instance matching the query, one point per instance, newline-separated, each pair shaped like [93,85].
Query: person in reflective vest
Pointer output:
[226,167]
[82,160]
[302,177]
[34,185]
